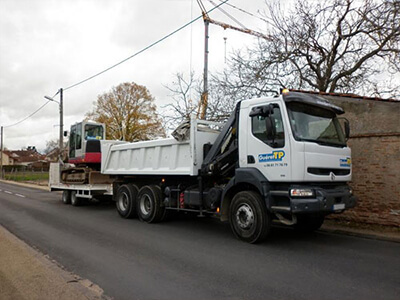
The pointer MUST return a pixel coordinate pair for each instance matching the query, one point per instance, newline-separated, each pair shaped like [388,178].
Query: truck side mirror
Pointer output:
[347,129]
[262,111]
[270,128]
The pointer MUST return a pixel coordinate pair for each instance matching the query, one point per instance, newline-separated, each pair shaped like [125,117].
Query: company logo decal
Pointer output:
[274,156]
[345,162]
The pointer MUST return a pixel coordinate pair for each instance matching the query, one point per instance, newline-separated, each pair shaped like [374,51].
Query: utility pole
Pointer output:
[204,96]
[61,126]
[60,104]
[1,154]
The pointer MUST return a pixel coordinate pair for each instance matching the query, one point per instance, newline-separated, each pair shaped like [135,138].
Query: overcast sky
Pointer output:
[50,44]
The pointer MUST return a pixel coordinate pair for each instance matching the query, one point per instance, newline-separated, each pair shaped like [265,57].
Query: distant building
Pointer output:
[22,157]
[7,158]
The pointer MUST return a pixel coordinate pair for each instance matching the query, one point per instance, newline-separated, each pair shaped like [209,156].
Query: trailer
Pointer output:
[282,159]
[75,193]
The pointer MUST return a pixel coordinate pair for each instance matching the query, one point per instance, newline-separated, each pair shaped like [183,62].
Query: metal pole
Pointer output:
[1,154]
[61,126]
[204,100]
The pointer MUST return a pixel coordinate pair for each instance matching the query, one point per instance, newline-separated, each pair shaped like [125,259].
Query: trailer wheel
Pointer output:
[66,197]
[126,200]
[306,223]
[149,204]
[248,217]
[75,201]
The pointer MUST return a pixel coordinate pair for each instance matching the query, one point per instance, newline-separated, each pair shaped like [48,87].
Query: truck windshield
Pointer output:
[315,124]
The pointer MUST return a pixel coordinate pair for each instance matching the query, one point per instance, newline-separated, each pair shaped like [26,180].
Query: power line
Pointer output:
[36,111]
[32,114]
[115,65]
[228,15]
[246,12]
[144,49]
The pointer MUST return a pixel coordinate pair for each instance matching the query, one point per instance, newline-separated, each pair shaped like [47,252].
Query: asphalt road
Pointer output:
[197,258]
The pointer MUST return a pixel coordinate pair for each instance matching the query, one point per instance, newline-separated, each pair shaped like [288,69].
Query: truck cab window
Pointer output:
[259,128]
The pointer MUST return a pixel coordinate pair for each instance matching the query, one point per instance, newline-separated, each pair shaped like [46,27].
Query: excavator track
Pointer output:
[82,175]
[75,175]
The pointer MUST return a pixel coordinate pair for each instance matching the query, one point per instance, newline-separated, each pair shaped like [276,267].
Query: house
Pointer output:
[7,158]
[22,157]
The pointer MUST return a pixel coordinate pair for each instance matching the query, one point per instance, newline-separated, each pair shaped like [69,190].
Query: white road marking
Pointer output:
[19,195]
[8,192]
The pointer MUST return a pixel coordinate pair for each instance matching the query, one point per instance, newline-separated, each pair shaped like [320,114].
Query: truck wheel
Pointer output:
[248,217]
[307,223]
[149,204]
[75,201]
[66,197]
[126,200]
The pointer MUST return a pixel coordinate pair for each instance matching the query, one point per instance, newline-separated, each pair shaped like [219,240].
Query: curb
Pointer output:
[71,284]
[24,184]
[388,237]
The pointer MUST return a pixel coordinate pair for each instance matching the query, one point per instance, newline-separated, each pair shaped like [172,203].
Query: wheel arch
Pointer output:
[249,179]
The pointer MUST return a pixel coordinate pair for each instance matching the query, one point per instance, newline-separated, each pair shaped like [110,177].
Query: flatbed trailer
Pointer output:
[74,193]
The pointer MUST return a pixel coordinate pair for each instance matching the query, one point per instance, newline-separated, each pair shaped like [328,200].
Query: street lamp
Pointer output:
[61,121]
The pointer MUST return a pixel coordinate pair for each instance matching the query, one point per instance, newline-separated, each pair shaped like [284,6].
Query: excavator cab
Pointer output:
[84,143]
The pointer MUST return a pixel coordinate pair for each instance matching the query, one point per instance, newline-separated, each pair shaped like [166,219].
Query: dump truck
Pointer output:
[276,159]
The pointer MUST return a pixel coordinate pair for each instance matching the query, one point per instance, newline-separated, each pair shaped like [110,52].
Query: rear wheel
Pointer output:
[248,217]
[66,197]
[307,223]
[149,207]
[126,200]
[75,201]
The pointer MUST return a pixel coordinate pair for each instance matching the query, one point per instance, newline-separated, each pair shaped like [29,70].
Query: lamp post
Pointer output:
[60,145]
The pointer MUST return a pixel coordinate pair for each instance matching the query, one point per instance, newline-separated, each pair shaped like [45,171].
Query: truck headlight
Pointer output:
[301,192]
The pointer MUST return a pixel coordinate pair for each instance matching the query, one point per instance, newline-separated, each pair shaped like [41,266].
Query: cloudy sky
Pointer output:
[50,44]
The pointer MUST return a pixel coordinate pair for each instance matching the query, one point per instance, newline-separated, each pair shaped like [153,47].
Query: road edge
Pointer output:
[24,184]
[85,287]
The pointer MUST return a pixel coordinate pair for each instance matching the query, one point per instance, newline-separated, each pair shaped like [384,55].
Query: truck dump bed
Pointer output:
[159,157]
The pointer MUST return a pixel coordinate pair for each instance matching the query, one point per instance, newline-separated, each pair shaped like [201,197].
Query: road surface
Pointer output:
[197,258]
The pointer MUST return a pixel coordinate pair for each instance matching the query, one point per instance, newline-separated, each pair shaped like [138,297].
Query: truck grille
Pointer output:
[328,171]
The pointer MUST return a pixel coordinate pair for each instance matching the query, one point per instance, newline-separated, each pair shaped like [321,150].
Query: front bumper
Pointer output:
[324,201]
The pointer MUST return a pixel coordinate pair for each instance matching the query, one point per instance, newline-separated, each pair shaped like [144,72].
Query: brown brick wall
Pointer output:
[376,180]
[375,145]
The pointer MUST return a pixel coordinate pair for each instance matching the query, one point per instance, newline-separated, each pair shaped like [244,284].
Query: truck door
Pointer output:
[268,150]
[75,141]
[72,134]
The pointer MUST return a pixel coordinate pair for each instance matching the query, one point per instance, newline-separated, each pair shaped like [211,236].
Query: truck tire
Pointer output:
[249,218]
[66,197]
[75,201]
[126,200]
[149,207]
[307,223]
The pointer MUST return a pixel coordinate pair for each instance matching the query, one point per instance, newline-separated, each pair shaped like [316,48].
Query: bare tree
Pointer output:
[330,46]
[129,113]
[185,94]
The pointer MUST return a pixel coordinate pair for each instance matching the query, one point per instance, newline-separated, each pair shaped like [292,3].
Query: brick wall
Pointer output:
[375,144]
